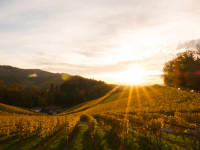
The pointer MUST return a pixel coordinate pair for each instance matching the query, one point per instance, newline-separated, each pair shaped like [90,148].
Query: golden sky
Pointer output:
[111,40]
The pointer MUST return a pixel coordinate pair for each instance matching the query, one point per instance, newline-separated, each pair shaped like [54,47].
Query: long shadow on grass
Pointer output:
[103,140]
[86,141]
[81,140]
[5,139]
[58,143]
[12,145]
[143,144]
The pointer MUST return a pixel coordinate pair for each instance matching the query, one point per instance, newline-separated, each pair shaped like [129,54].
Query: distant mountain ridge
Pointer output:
[12,75]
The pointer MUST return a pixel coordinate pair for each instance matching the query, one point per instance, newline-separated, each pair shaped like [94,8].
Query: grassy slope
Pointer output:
[81,140]
[12,143]
[58,142]
[91,104]
[112,101]
[153,98]
[11,109]
[103,141]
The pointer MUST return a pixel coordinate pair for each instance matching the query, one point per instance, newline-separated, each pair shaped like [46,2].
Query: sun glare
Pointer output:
[133,75]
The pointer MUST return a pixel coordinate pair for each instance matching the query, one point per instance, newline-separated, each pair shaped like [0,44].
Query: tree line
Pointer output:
[74,91]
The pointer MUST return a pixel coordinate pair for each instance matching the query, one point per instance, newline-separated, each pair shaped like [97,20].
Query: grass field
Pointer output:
[151,117]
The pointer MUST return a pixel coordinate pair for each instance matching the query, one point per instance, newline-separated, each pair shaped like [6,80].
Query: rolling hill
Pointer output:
[154,98]
[7,110]
[11,75]
[141,118]
[37,88]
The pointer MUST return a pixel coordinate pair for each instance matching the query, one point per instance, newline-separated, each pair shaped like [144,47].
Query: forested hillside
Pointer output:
[36,88]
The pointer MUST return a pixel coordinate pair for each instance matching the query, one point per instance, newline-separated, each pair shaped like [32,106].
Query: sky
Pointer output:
[109,40]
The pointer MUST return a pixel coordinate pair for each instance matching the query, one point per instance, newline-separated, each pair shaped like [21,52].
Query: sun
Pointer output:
[133,75]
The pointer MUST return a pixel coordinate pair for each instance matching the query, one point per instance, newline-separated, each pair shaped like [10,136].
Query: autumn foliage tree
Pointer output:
[183,70]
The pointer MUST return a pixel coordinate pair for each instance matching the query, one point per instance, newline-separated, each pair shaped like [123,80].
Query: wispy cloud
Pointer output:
[148,64]
[92,37]
[192,44]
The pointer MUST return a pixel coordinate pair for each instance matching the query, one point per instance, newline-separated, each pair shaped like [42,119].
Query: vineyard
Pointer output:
[150,117]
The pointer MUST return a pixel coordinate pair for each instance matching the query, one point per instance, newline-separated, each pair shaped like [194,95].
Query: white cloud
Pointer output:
[94,36]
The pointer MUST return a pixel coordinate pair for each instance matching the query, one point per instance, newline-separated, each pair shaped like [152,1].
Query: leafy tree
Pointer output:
[183,70]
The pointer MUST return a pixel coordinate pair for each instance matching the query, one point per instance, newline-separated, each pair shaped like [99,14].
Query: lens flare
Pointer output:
[65,76]
[32,75]
[198,72]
